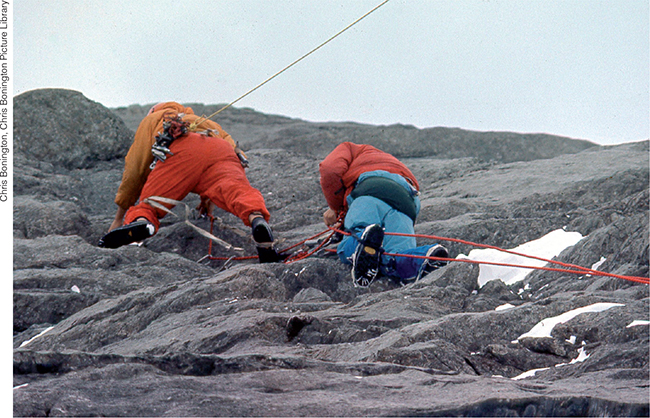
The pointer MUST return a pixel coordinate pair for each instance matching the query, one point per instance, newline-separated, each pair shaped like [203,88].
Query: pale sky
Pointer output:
[576,68]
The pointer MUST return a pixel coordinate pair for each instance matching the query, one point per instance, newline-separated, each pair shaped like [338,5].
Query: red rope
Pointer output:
[292,258]
[304,254]
[568,265]
[209,256]
[301,255]
[643,280]
[581,270]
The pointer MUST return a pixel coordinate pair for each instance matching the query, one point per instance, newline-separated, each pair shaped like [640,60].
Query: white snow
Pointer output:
[637,323]
[582,356]
[36,336]
[599,263]
[529,373]
[543,328]
[548,246]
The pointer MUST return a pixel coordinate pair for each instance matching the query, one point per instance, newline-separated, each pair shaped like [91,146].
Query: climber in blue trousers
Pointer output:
[378,194]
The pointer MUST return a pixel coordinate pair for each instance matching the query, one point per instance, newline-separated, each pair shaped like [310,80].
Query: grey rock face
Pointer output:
[151,331]
[66,129]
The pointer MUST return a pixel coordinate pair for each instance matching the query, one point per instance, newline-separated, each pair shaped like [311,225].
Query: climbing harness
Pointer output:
[202,119]
[173,127]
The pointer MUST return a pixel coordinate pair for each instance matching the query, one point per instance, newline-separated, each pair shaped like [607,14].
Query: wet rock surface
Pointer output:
[154,330]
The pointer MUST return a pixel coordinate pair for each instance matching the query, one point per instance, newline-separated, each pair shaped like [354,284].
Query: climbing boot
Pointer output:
[367,256]
[263,237]
[128,234]
[430,265]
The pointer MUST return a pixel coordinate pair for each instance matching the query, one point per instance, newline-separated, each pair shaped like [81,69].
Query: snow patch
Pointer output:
[24,343]
[543,328]
[582,356]
[638,322]
[548,246]
[529,373]
[599,263]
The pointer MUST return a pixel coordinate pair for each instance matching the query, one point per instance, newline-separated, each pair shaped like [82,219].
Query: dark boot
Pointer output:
[263,237]
[430,265]
[128,234]
[367,257]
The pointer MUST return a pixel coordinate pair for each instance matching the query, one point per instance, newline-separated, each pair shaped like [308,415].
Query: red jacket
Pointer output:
[340,170]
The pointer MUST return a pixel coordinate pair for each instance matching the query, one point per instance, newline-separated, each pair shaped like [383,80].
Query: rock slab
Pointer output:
[153,331]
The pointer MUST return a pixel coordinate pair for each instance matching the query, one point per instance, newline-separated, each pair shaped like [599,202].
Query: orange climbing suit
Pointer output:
[202,164]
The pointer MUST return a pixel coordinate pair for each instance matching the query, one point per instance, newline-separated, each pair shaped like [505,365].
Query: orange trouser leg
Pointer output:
[174,178]
[224,182]
[204,165]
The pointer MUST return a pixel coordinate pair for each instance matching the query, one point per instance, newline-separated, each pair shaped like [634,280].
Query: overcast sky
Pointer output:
[576,68]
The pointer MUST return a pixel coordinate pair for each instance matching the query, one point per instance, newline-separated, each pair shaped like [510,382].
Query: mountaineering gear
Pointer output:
[242,157]
[261,231]
[430,265]
[263,237]
[139,158]
[206,166]
[367,256]
[127,234]
[184,160]
[388,190]
[173,128]
[340,170]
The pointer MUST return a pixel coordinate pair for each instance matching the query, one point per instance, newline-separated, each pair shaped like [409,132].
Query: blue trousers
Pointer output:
[367,210]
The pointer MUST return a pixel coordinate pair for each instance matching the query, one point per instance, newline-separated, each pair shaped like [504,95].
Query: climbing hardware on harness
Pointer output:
[173,127]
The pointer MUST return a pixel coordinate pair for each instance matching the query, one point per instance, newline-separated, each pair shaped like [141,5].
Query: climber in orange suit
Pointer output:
[202,162]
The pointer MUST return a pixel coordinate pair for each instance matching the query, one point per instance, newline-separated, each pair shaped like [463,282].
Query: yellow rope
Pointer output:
[199,121]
